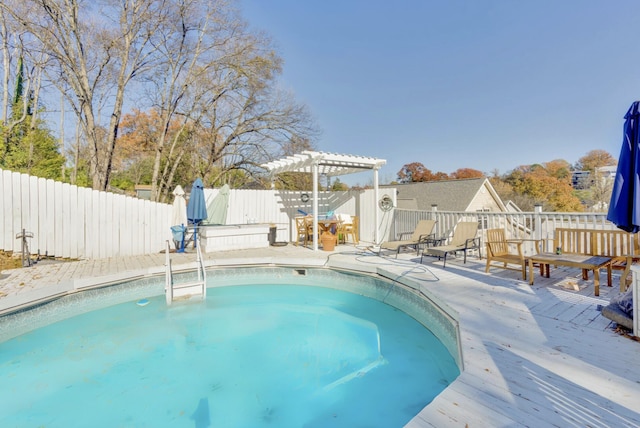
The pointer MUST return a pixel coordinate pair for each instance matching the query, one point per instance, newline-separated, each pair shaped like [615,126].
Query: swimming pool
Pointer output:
[296,350]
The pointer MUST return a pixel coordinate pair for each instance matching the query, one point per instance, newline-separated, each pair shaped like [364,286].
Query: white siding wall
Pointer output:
[484,200]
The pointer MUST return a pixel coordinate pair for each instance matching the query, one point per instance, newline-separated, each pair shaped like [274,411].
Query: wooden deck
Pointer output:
[534,356]
[538,356]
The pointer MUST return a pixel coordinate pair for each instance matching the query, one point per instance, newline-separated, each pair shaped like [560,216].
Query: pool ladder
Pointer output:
[186,290]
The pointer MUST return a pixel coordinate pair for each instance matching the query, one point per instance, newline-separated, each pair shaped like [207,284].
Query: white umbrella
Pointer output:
[219,206]
[179,212]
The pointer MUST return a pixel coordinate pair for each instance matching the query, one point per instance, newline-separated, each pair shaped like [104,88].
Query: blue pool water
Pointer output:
[249,356]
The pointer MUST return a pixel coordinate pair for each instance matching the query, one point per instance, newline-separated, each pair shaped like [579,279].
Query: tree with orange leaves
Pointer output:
[462,173]
[416,172]
[546,184]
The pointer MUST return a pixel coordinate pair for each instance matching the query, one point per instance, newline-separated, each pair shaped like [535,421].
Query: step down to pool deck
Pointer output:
[186,290]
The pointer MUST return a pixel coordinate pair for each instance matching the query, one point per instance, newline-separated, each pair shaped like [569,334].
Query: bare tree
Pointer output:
[96,48]
[6,66]
[212,81]
[294,180]
[600,191]
[214,88]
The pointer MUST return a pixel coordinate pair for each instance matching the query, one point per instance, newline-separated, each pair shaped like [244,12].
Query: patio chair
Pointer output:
[347,227]
[421,235]
[499,249]
[302,230]
[352,229]
[463,239]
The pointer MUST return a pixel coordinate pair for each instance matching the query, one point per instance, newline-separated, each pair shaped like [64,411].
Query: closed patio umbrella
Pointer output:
[179,217]
[197,207]
[179,211]
[624,209]
[219,206]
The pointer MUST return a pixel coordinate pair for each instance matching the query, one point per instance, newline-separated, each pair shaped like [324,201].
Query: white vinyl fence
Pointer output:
[74,222]
[280,207]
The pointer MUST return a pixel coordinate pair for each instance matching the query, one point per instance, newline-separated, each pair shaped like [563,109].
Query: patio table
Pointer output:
[584,262]
[327,226]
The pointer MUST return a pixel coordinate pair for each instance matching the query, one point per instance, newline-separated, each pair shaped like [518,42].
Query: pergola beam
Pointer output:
[332,165]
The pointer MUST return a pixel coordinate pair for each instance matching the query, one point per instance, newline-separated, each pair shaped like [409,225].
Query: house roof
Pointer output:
[448,195]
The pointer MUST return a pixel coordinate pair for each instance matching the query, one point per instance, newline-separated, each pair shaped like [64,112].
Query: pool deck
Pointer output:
[538,356]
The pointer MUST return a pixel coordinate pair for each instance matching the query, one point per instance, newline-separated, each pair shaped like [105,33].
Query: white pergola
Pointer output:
[331,165]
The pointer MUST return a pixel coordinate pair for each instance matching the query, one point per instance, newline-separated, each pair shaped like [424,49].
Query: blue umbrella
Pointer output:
[197,207]
[624,209]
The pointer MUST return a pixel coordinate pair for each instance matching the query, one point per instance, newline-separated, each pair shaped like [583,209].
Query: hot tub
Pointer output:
[233,236]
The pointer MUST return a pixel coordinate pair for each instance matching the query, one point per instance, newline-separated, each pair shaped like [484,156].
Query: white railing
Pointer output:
[526,225]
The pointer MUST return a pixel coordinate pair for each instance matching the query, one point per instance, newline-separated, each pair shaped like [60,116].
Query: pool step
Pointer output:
[188,285]
[184,291]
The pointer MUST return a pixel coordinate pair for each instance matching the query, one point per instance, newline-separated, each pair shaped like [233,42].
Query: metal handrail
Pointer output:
[202,273]
[168,277]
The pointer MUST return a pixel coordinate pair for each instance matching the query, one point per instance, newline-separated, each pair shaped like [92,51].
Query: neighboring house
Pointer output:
[474,194]
[607,171]
[583,179]
[580,179]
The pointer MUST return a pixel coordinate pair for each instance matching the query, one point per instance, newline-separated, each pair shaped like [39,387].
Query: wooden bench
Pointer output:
[622,247]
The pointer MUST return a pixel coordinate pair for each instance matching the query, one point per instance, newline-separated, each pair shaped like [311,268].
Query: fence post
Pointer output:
[537,218]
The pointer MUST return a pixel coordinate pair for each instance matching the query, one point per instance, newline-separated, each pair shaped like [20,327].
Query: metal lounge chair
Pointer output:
[421,235]
[463,239]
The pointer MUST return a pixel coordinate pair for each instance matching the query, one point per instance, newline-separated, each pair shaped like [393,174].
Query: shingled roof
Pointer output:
[448,195]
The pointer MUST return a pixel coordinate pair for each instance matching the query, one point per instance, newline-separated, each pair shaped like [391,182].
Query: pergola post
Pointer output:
[315,206]
[376,214]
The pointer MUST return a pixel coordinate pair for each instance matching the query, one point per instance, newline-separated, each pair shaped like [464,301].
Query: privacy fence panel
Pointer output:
[280,207]
[68,221]
[74,222]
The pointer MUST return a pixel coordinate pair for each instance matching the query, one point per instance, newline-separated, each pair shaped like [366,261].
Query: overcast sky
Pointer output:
[458,83]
